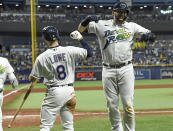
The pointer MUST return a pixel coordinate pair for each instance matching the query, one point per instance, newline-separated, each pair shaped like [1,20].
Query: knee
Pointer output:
[129,110]
[71,104]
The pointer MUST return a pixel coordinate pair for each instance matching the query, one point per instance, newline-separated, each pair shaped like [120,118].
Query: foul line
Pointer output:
[89,113]
[15,91]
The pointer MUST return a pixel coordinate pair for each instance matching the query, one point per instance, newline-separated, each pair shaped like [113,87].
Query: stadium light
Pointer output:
[166,11]
[109,8]
[90,6]
[169,7]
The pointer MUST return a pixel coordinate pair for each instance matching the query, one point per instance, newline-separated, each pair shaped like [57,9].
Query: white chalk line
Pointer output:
[15,91]
[89,114]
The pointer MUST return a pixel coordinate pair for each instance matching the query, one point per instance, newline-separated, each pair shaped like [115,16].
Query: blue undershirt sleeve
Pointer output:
[87,47]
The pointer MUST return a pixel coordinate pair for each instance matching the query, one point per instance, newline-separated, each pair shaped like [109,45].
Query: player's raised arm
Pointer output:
[77,36]
[83,25]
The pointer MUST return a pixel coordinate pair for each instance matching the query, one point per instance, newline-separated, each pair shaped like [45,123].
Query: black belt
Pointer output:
[118,65]
[71,84]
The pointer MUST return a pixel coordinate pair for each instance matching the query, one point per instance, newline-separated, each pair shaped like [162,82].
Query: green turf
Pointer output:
[154,82]
[90,101]
[9,87]
[33,101]
[137,82]
[99,83]
[143,123]
[154,98]
[94,100]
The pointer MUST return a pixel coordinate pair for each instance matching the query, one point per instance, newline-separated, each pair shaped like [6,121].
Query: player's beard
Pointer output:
[119,19]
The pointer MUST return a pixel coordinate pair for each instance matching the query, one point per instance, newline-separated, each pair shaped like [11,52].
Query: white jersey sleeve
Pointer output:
[36,70]
[77,53]
[92,27]
[139,29]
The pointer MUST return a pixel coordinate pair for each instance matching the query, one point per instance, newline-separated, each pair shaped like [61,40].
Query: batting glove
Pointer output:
[76,35]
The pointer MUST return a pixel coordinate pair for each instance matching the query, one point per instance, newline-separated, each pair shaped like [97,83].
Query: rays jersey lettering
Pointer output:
[57,58]
[60,68]
[114,36]
[2,69]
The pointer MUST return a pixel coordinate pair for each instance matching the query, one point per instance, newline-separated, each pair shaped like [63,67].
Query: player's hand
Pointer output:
[148,37]
[76,35]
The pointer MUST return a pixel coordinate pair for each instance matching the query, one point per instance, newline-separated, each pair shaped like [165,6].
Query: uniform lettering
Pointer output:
[2,69]
[111,39]
[57,58]
[116,35]
[109,32]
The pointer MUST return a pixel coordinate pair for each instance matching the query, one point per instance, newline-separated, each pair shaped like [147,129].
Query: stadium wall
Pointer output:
[18,27]
[91,73]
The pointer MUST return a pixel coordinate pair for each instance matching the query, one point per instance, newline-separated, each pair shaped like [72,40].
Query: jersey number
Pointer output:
[61,72]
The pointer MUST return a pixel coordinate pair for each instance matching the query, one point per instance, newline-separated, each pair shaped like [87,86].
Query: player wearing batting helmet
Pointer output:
[115,38]
[6,70]
[57,66]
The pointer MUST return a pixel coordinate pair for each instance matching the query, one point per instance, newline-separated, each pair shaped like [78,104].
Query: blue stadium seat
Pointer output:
[64,1]
[80,1]
[143,1]
[103,1]
[13,1]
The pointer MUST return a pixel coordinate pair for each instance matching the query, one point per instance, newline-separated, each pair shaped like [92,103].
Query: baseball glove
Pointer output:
[148,37]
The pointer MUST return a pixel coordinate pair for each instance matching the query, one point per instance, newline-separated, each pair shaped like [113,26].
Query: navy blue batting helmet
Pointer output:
[50,33]
[121,6]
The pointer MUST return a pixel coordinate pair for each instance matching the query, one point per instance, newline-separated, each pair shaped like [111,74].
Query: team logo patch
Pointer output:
[114,36]
[122,5]
[2,69]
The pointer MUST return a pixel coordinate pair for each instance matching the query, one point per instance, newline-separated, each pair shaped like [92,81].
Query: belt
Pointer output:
[71,84]
[118,65]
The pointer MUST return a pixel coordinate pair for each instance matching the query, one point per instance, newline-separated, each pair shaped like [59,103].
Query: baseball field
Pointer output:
[153,107]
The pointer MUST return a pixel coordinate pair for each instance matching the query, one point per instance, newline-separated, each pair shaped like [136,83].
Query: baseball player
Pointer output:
[57,66]
[6,70]
[115,38]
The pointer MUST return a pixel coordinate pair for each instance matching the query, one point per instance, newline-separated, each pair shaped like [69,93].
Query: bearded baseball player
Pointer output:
[6,70]
[115,38]
[57,66]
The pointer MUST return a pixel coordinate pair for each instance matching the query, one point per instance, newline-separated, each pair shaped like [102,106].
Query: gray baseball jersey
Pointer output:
[115,40]
[57,65]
